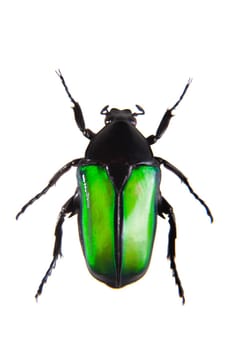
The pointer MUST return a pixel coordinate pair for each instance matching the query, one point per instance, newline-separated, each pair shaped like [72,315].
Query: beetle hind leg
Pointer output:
[166,208]
[70,208]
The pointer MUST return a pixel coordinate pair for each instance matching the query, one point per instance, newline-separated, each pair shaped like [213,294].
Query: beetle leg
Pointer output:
[78,115]
[52,182]
[166,208]
[184,179]
[71,207]
[166,119]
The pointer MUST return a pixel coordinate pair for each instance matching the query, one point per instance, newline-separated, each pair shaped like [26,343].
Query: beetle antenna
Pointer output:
[140,109]
[105,110]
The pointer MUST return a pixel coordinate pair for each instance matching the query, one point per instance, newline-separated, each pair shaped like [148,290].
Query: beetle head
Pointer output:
[126,115]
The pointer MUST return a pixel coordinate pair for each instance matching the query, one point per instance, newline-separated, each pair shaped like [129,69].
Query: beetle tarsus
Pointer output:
[182,95]
[70,208]
[166,208]
[58,72]
[44,280]
[177,280]
[32,201]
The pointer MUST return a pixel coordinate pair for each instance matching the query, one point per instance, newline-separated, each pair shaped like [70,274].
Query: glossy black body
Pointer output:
[119,142]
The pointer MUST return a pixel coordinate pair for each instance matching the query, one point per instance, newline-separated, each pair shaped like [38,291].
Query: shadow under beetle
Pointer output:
[118,198]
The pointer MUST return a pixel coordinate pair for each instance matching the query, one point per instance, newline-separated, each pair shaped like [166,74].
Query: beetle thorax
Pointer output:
[119,142]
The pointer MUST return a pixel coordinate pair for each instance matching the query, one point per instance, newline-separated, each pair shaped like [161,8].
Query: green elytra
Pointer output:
[99,213]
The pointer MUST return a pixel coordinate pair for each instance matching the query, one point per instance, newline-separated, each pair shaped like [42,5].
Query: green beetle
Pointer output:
[118,198]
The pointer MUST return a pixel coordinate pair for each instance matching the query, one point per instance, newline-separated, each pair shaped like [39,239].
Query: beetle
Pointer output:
[118,198]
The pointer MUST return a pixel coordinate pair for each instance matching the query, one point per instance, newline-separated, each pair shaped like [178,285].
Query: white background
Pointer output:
[118,53]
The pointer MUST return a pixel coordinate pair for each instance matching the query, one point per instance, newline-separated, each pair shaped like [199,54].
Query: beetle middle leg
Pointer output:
[70,208]
[52,182]
[184,179]
[165,208]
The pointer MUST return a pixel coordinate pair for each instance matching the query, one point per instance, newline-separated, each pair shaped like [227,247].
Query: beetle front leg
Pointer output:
[184,179]
[78,115]
[52,182]
[165,208]
[166,119]
[71,207]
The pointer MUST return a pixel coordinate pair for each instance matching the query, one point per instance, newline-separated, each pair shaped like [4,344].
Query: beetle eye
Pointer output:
[108,121]
[133,121]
